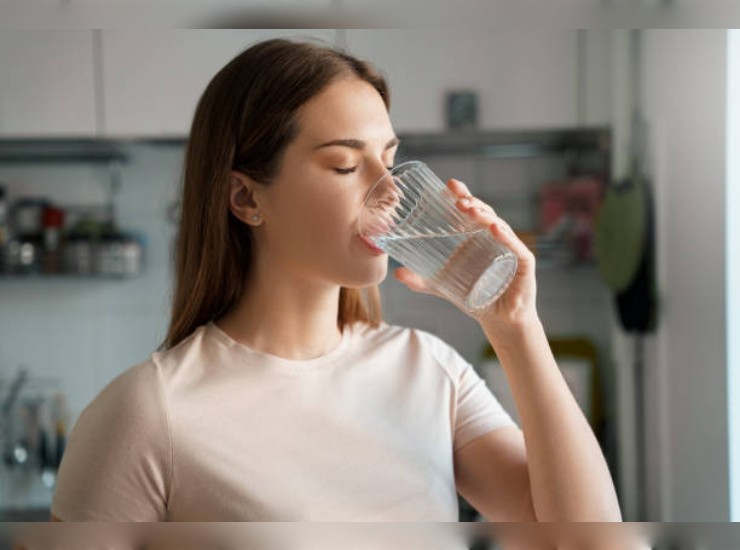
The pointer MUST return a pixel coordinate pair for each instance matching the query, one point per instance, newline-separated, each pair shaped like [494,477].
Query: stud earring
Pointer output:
[255,218]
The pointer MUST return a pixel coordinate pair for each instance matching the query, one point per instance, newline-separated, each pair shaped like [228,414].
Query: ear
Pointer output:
[243,199]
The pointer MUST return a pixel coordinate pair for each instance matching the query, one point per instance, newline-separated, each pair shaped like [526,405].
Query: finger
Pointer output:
[458,188]
[502,232]
[412,280]
[506,235]
[468,204]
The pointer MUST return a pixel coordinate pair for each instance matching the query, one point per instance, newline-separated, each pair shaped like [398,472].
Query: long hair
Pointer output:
[244,121]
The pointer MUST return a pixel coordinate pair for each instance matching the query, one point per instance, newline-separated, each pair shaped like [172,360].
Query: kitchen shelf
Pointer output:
[66,277]
[477,143]
[506,143]
[38,514]
[62,151]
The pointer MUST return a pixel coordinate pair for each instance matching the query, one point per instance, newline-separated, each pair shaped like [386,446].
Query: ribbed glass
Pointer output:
[412,216]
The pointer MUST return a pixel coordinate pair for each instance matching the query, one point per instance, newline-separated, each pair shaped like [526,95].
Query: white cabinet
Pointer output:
[525,79]
[46,83]
[152,79]
[596,62]
[146,83]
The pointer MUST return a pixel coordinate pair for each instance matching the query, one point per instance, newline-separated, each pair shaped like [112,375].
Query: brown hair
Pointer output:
[244,120]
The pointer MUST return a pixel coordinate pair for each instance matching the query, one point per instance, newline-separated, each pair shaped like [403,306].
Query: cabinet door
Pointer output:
[154,78]
[524,79]
[46,83]
[597,60]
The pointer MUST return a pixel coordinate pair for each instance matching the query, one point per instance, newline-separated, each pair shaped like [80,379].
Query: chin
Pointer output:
[373,273]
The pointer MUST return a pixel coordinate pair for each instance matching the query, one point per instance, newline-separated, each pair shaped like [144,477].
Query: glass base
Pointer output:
[492,283]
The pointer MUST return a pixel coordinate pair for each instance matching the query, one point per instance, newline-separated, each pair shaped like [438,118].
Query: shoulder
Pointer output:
[117,461]
[128,418]
[132,400]
[190,359]
[193,346]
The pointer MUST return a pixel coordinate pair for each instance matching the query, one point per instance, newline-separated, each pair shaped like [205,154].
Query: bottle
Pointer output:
[52,222]
[4,227]
[4,223]
[62,414]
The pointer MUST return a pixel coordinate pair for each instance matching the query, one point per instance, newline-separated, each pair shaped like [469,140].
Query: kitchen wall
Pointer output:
[116,83]
[86,332]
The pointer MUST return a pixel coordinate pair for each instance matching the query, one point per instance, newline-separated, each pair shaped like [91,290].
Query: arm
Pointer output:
[569,478]
[491,473]
[117,462]
[566,474]
[498,473]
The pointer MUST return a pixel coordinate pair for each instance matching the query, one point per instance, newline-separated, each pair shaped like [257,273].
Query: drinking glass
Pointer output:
[411,215]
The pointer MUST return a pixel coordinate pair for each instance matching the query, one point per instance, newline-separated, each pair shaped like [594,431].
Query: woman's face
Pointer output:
[311,208]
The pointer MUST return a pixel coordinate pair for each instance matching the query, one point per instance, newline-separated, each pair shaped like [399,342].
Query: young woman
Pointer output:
[279,393]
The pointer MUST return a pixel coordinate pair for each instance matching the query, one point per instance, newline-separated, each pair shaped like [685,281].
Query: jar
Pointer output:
[132,252]
[118,256]
[20,257]
[78,257]
[26,217]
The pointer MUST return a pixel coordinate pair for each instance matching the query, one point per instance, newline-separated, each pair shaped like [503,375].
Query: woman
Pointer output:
[279,393]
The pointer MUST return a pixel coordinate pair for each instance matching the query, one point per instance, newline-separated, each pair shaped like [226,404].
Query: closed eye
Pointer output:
[350,170]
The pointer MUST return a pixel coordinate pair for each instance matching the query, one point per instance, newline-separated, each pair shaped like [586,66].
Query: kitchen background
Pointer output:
[92,129]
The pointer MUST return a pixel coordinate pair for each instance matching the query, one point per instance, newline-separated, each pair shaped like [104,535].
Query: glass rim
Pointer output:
[404,164]
[392,172]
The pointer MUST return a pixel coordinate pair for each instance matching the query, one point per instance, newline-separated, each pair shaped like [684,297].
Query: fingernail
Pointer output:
[465,201]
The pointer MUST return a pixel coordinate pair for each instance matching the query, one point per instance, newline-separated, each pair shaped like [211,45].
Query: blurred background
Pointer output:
[612,152]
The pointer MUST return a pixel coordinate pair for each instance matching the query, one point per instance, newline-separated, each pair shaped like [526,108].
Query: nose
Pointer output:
[384,191]
[378,213]
[380,177]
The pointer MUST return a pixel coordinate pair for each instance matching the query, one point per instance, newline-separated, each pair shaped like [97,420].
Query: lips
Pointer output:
[370,246]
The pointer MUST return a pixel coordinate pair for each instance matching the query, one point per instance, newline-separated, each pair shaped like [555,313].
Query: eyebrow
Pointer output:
[355,143]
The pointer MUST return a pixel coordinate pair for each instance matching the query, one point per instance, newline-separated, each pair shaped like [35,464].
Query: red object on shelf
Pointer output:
[578,199]
[52,217]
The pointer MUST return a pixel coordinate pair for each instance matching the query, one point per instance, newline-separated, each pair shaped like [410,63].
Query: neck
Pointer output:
[280,315]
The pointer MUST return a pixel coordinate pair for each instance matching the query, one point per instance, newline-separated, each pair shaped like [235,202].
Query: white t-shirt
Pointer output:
[212,430]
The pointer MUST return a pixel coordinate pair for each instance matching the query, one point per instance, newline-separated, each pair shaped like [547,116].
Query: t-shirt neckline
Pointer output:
[293,366]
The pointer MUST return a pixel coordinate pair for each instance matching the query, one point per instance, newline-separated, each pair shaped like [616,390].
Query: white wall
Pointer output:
[733,266]
[684,91]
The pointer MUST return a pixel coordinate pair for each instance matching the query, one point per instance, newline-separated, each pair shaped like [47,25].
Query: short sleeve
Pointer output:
[476,410]
[117,463]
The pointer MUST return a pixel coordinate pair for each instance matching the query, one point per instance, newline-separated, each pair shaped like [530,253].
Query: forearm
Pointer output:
[569,477]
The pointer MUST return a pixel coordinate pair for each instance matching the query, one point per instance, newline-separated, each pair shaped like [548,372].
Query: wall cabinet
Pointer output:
[46,83]
[524,79]
[146,83]
[152,79]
